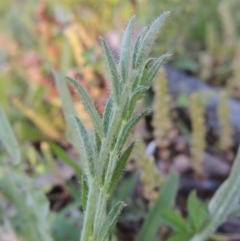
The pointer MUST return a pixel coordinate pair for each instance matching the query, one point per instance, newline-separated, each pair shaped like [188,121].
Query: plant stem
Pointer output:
[207,232]
[87,230]
[101,213]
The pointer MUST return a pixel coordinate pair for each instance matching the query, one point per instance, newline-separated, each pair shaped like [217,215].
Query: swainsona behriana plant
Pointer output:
[102,150]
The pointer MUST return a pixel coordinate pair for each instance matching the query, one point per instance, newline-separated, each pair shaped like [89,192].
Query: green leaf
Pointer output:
[223,203]
[126,187]
[107,114]
[31,205]
[121,163]
[97,142]
[67,105]
[8,138]
[149,38]
[137,95]
[235,212]
[125,55]
[87,150]
[61,154]
[154,68]
[186,64]
[227,196]
[128,127]
[179,236]
[165,200]
[197,212]
[114,77]
[137,46]
[110,221]
[174,220]
[84,193]
[144,71]
[63,227]
[89,106]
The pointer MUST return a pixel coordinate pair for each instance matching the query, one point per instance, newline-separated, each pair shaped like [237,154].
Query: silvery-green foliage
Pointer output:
[8,139]
[30,205]
[102,150]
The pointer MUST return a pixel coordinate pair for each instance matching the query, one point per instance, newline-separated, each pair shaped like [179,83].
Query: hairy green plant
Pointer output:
[102,150]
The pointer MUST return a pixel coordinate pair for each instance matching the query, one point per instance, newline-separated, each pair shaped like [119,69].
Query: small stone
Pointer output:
[181,144]
[214,166]
[181,163]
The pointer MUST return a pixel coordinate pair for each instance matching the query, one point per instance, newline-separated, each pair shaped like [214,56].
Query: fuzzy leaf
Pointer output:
[197,212]
[121,163]
[165,200]
[97,142]
[149,38]
[125,55]
[87,150]
[107,114]
[174,220]
[235,212]
[224,201]
[89,106]
[144,71]
[137,95]
[32,215]
[137,46]
[110,221]
[67,105]
[135,81]
[84,193]
[227,196]
[154,68]
[64,157]
[128,127]
[8,138]
[126,187]
[114,77]
[229,191]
